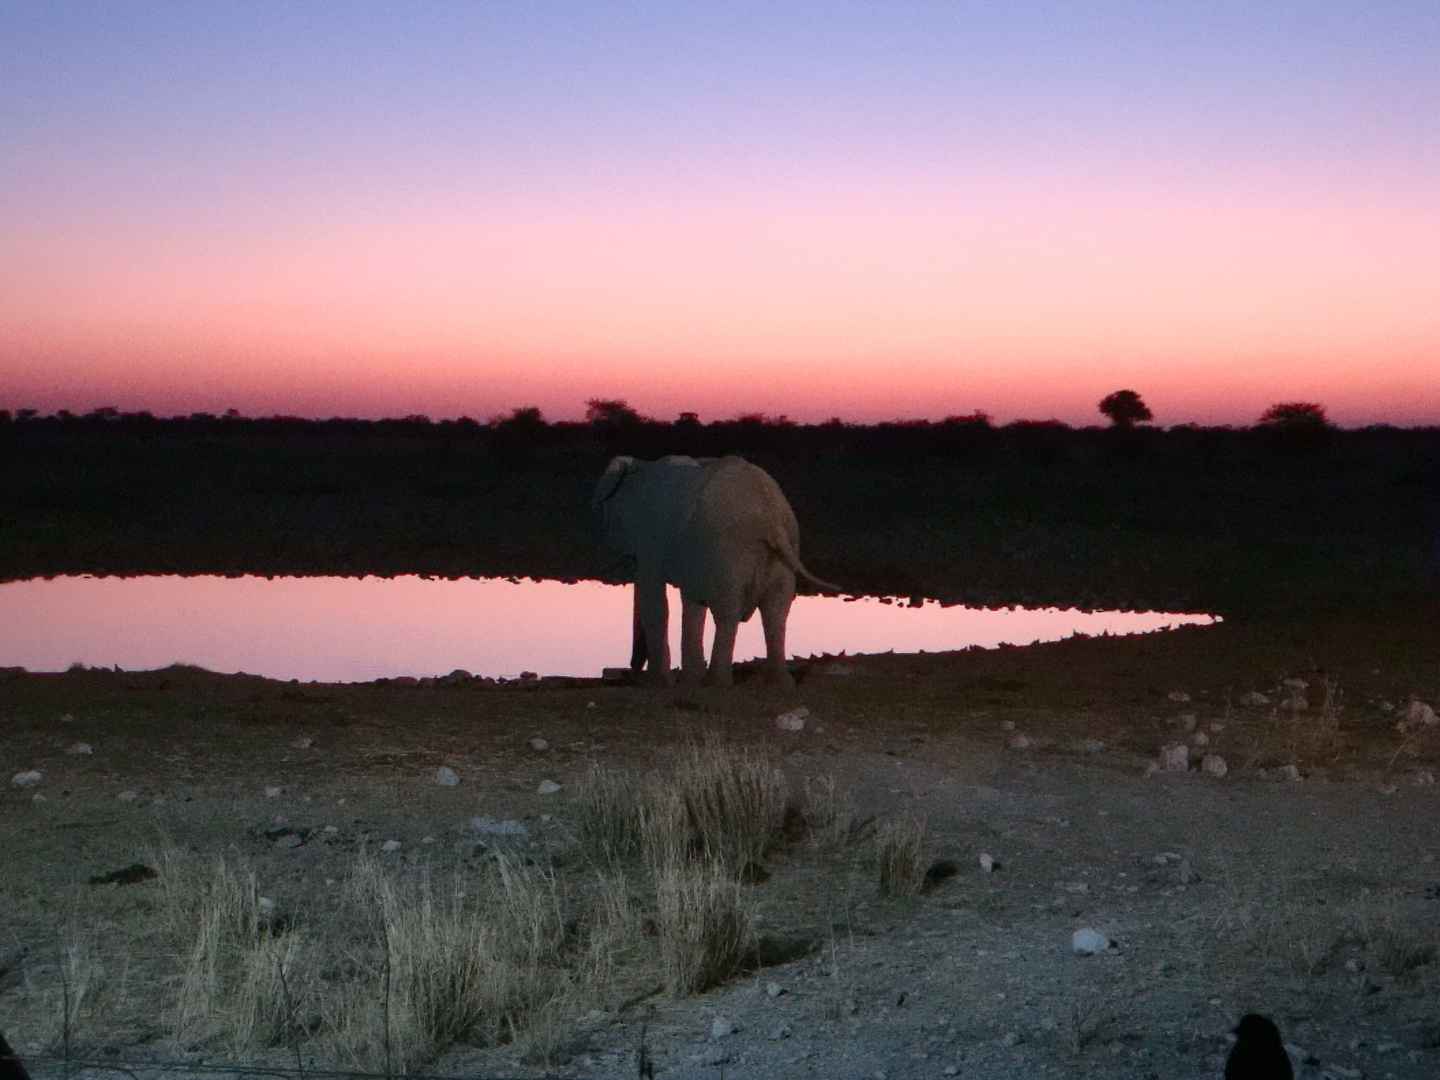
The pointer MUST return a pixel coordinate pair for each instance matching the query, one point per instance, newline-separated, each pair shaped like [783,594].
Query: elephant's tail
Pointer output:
[792,560]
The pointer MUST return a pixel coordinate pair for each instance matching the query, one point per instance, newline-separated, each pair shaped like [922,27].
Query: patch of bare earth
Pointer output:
[1313,899]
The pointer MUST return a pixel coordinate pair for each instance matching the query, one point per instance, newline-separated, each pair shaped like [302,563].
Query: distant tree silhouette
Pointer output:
[1125,409]
[1295,416]
[610,411]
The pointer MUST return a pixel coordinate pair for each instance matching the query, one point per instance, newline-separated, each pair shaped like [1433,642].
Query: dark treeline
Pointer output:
[1289,511]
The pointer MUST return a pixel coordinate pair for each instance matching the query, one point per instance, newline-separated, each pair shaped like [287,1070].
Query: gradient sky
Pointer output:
[871,210]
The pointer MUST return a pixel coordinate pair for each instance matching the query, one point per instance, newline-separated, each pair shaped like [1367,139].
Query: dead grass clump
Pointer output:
[902,856]
[704,922]
[608,814]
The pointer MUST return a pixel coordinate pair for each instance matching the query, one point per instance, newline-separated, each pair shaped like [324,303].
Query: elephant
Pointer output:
[721,530]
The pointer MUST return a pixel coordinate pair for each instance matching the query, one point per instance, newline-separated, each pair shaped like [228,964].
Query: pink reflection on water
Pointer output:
[332,629]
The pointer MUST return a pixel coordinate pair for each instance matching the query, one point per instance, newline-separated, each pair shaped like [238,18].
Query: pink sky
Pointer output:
[949,216]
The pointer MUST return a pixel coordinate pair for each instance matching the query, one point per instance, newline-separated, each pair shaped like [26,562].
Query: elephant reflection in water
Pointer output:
[721,530]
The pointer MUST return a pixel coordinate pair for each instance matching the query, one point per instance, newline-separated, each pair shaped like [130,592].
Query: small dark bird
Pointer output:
[10,1067]
[1259,1052]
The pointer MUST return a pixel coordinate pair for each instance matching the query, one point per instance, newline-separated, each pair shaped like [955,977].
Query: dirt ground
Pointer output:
[1311,894]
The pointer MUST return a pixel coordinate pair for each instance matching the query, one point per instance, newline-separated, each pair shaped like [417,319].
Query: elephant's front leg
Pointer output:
[722,652]
[692,641]
[652,610]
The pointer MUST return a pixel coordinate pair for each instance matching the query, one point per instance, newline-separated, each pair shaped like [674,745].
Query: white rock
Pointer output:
[1200,739]
[127,796]
[67,719]
[1295,703]
[1175,758]
[390,846]
[1179,697]
[781,1032]
[987,863]
[26,779]
[539,745]
[80,748]
[723,1026]
[1187,721]
[265,904]
[446,776]
[273,792]
[1288,772]
[547,787]
[1295,684]
[1020,742]
[1089,941]
[304,743]
[1424,777]
[793,720]
[1008,725]
[774,989]
[1214,764]
[488,826]
[1253,698]
[1418,712]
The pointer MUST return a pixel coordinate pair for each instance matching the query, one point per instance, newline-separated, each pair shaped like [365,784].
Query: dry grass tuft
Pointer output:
[902,856]
[704,925]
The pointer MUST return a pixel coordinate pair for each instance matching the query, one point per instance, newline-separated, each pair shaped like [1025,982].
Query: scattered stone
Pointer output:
[1179,697]
[539,745]
[1200,739]
[1216,727]
[266,905]
[1215,765]
[127,796]
[1021,742]
[26,779]
[1012,1038]
[1008,725]
[79,748]
[781,1032]
[1089,941]
[488,826]
[1418,712]
[774,989]
[1423,777]
[793,720]
[950,1070]
[304,743]
[331,829]
[1253,699]
[289,840]
[714,1055]
[547,787]
[723,1026]
[274,792]
[1288,772]
[1295,703]
[987,863]
[127,876]
[447,777]
[1295,684]
[1387,789]
[1087,746]
[1187,721]
[68,718]
[1175,758]
[390,846]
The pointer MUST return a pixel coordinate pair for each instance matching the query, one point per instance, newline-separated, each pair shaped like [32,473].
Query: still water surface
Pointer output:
[336,629]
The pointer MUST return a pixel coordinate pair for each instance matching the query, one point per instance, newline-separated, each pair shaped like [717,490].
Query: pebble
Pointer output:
[1179,697]
[446,776]
[987,863]
[1288,772]
[490,827]
[547,787]
[714,1055]
[781,1032]
[774,989]
[273,792]
[80,748]
[1175,758]
[304,743]
[539,745]
[793,720]
[390,846]
[26,779]
[1215,765]
[1187,721]
[1253,698]
[1089,941]
[723,1026]
[127,796]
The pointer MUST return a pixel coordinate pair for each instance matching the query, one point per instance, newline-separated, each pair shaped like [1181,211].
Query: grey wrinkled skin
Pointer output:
[720,530]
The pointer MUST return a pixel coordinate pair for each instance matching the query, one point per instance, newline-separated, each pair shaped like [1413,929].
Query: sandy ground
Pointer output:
[1314,900]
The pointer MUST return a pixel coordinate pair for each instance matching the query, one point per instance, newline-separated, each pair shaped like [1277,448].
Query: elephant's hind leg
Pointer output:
[722,652]
[692,641]
[774,612]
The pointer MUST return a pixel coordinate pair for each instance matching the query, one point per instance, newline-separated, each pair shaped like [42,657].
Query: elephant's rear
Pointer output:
[742,520]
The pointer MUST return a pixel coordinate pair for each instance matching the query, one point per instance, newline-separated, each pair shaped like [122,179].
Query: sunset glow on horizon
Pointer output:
[872,212]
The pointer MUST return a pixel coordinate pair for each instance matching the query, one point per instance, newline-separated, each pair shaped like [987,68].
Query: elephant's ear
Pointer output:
[610,479]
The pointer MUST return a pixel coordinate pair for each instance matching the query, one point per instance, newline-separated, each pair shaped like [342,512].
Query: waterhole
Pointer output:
[338,629]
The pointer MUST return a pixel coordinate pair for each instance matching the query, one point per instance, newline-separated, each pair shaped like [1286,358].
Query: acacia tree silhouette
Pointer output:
[1125,409]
